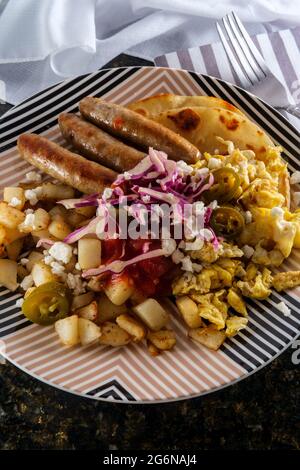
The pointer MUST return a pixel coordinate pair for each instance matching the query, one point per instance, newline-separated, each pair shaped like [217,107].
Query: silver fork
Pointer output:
[250,67]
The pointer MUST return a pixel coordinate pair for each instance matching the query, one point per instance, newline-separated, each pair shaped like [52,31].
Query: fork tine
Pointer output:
[253,49]
[239,52]
[258,75]
[244,79]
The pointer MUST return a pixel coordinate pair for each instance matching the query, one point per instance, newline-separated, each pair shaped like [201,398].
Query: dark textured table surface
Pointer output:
[261,412]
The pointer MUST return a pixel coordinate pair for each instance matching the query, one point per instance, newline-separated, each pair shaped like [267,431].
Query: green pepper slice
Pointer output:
[227,222]
[47,304]
[226,183]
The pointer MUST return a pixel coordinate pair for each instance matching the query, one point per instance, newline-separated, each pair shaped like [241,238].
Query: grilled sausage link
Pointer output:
[137,129]
[68,167]
[97,145]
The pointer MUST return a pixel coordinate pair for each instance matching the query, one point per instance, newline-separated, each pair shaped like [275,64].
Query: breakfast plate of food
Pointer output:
[149,235]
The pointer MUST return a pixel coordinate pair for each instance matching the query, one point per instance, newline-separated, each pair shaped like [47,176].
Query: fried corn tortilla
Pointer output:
[154,105]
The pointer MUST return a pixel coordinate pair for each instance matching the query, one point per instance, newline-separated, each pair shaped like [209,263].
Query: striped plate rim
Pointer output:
[130,375]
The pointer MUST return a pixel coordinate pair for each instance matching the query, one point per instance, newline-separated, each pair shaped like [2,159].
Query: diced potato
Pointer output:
[113,335]
[68,331]
[73,218]
[14,193]
[2,234]
[119,289]
[88,331]
[21,272]
[58,211]
[189,311]
[132,326]
[87,212]
[41,219]
[42,273]
[208,336]
[58,228]
[56,192]
[8,274]
[89,312]
[89,253]
[162,339]
[37,234]
[82,300]
[33,258]
[109,311]
[14,249]
[12,234]
[10,217]
[153,351]
[152,314]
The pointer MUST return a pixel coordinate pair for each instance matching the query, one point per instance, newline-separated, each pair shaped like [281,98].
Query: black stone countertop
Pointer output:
[261,412]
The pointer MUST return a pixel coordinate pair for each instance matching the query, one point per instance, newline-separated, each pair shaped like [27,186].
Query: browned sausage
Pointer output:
[68,167]
[137,129]
[97,145]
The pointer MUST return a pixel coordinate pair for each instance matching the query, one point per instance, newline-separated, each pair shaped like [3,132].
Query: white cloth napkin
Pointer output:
[281,51]
[44,41]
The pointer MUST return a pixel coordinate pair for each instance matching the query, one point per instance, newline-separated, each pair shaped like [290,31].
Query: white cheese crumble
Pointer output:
[57,268]
[78,267]
[27,282]
[107,193]
[14,202]
[33,177]
[214,163]
[283,308]
[169,246]
[32,195]
[248,217]
[177,256]
[184,167]
[29,220]
[187,264]
[48,259]
[24,261]
[277,212]
[295,177]
[28,211]
[248,251]
[146,198]
[19,302]
[75,283]
[61,251]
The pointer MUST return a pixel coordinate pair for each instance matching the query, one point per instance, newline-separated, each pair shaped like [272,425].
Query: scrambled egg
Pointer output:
[238,268]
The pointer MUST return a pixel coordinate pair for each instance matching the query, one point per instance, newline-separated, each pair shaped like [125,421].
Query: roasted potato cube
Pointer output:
[58,228]
[56,192]
[89,253]
[287,280]
[41,219]
[132,326]
[119,289]
[162,339]
[42,273]
[8,274]
[152,314]
[14,249]
[88,331]
[82,300]
[33,258]
[14,196]
[113,335]
[10,217]
[109,311]
[189,311]
[68,331]
[208,336]
[87,212]
[89,312]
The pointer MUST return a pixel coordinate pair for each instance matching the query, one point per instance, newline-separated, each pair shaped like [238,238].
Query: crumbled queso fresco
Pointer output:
[33,177]
[32,195]
[14,202]
[283,308]
[60,251]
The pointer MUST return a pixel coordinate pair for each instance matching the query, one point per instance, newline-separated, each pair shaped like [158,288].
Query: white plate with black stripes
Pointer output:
[130,374]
